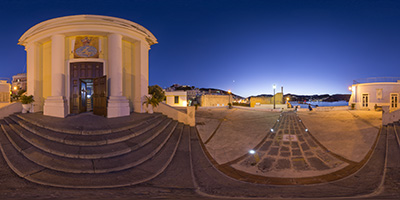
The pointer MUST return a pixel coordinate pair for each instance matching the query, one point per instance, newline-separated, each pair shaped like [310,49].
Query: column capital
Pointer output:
[115,35]
[30,45]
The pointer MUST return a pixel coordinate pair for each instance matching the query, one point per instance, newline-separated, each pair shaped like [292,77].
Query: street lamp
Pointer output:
[274,86]
[229,103]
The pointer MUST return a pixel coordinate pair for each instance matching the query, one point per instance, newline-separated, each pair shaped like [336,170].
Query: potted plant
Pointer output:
[151,103]
[26,103]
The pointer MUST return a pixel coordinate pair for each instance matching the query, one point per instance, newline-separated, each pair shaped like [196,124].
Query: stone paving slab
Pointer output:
[236,130]
[347,133]
[288,157]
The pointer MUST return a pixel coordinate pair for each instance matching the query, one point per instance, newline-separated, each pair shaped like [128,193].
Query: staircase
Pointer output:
[124,155]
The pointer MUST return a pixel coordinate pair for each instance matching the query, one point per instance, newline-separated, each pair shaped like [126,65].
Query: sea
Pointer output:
[319,103]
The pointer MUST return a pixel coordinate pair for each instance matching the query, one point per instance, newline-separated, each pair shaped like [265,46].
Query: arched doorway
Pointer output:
[88,91]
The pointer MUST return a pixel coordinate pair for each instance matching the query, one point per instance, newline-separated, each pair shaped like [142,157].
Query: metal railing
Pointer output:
[376,79]
[5,79]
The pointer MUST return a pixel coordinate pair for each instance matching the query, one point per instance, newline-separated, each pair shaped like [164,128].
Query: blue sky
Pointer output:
[308,46]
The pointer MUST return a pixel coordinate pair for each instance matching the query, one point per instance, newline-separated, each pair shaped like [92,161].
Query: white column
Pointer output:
[118,105]
[141,75]
[56,105]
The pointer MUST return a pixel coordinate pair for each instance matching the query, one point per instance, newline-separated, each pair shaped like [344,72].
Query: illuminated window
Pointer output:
[394,99]
[365,100]
[176,99]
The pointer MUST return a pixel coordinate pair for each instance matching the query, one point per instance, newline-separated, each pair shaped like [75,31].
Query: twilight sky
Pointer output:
[307,46]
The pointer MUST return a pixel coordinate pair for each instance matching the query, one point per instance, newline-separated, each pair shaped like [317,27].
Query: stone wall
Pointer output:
[258,101]
[10,109]
[215,100]
[186,118]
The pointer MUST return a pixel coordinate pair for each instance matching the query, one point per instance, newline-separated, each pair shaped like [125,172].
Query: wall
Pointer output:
[170,98]
[5,89]
[254,101]
[215,100]
[46,73]
[10,109]
[128,72]
[186,118]
[389,116]
[371,89]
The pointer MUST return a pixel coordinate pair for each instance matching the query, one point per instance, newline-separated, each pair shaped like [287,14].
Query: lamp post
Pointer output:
[274,94]
[229,103]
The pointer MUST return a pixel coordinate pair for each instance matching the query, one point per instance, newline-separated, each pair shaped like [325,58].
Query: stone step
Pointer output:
[144,151]
[90,140]
[139,174]
[87,129]
[179,167]
[85,152]
[396,127]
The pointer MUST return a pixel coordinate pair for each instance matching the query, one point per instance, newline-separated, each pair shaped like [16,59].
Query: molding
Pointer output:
[81,22]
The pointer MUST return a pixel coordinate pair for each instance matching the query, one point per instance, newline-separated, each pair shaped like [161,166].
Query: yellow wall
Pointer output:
[170,98]
[266,100]
[215,100]
[128,71]
[46,63]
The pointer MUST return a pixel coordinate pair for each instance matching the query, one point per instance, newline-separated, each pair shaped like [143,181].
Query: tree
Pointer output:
[157,93]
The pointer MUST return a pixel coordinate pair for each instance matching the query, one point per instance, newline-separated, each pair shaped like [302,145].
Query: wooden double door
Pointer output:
[88,88]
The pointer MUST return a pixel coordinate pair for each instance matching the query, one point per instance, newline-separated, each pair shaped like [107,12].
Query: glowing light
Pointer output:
[15,87]
[229,91]
[274,86]
[350,88]
[272,130]
[306,130]
[287,98]
[252,151]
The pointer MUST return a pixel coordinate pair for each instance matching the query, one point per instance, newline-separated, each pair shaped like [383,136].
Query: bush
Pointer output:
[157,93]
[152,101]
[27,99]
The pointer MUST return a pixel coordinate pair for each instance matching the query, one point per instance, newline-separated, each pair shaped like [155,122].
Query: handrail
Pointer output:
[376,79]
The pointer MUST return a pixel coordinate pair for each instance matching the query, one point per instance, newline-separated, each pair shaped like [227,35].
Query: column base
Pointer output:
[138,106]
[118,106]
[55,106]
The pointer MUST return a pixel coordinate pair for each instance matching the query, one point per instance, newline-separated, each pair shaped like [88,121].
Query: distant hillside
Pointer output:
[219,91]
[323,97]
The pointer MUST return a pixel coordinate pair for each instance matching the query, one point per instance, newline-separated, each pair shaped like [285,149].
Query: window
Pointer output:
[394,99]
[176,100]
[365,100]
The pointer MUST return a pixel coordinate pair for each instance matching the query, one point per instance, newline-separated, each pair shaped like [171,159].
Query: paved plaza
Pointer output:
[294,156]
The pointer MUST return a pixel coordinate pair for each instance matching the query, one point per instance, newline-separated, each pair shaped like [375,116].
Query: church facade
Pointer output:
[87,63]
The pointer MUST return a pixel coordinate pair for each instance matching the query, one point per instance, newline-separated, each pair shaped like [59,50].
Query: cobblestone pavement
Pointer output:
[194,176]
[290,151]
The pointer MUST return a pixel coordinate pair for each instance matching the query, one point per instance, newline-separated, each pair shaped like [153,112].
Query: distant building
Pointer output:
[176,98]
[4,91]
[208,100]
[372,93]
[263,100]
[18,83]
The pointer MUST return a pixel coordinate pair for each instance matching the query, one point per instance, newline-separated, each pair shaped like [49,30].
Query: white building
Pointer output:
[18,82]
[87,62]
[375,92]
[176,98]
